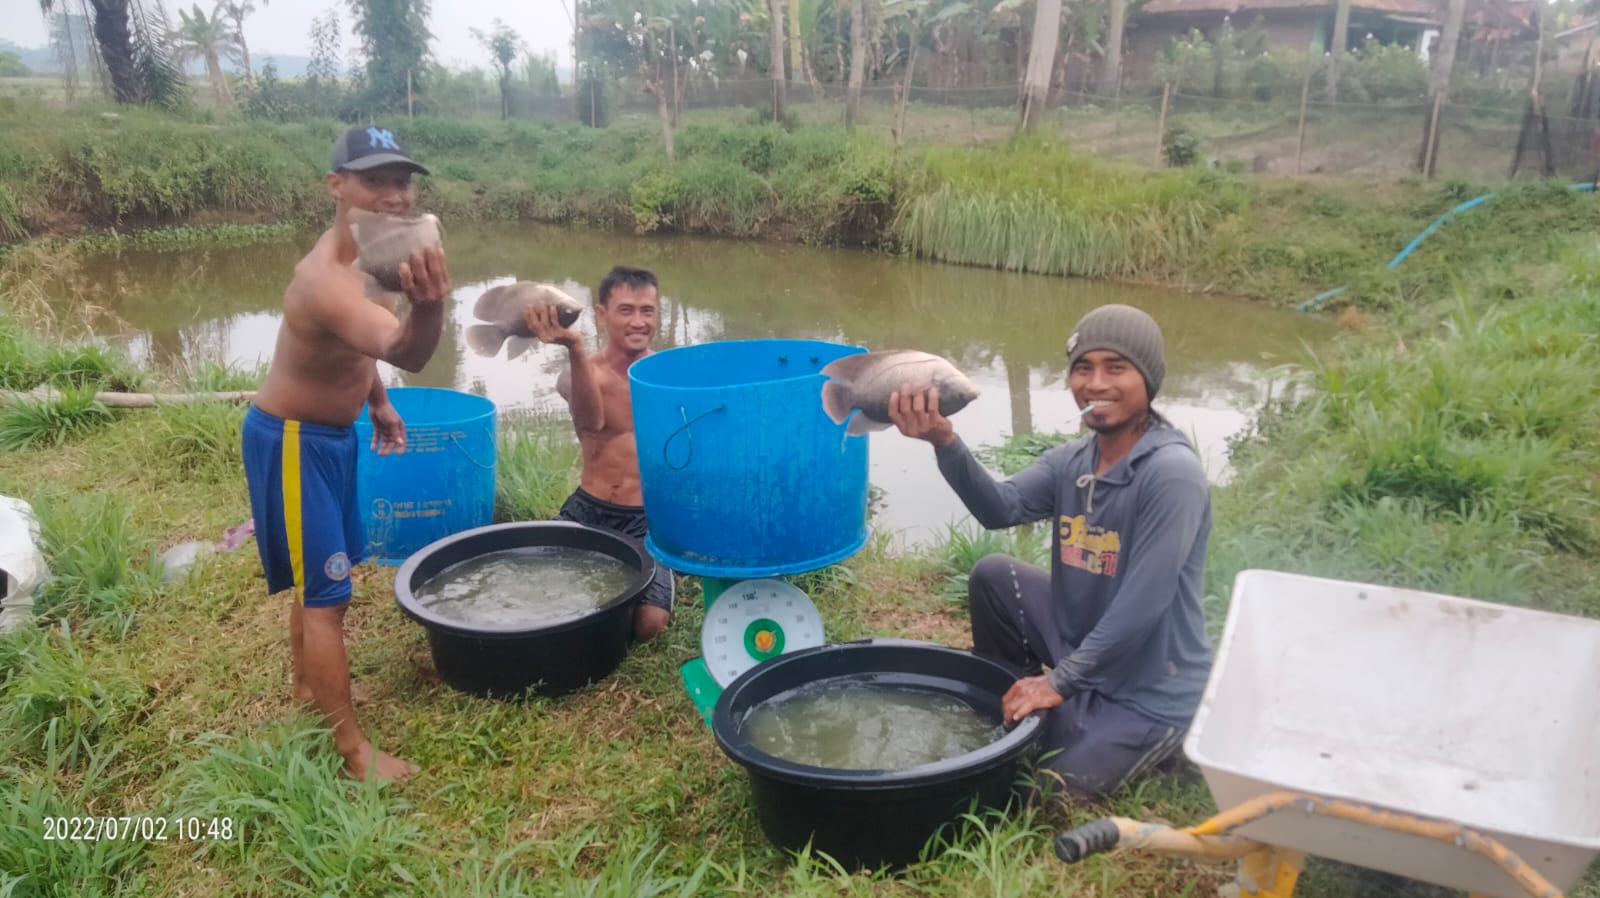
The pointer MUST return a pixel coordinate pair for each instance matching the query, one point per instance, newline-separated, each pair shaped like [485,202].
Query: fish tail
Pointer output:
[837,401]
[485,339]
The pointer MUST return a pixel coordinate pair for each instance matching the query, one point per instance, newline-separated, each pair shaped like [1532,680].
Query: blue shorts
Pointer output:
[302,480]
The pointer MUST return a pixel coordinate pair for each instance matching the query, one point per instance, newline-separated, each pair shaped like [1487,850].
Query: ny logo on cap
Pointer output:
[381,137]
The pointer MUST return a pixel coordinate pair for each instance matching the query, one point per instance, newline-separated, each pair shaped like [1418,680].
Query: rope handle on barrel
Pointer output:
[456,439]
[684,413]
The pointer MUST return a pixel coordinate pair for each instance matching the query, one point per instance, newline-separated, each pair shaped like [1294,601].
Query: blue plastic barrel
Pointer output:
[442,484]
[743,473]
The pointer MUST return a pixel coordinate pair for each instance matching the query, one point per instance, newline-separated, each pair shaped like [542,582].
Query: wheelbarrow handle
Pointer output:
[1100,836]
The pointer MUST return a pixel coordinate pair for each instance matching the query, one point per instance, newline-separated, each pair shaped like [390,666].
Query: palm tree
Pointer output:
[199,37]
[237,11]
[113,34]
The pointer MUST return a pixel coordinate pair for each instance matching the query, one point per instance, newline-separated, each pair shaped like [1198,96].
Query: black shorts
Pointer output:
[629,520]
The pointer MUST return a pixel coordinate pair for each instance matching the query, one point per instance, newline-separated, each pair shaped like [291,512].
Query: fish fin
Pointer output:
[485,339]
[490,304]
[860,424]
[851,366]
[517,345]
[837,401]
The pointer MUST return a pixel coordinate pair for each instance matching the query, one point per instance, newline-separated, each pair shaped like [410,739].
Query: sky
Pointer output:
[281,26]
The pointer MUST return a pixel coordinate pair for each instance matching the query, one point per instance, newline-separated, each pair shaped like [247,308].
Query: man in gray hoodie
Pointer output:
[1117,621]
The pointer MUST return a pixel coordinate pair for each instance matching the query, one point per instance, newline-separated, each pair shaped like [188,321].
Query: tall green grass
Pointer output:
[1040,207]
[60,704]
[536,469]
[202,439]
[30,866]
[149,169]
[298,828]
[50,422]
[1463,459]
[965,546]
[100,559]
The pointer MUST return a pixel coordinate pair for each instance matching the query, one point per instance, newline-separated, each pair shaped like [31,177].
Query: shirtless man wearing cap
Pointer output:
[299,437]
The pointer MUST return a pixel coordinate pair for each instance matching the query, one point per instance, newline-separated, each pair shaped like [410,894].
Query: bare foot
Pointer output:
[302,692]
[649,621]
[358,765]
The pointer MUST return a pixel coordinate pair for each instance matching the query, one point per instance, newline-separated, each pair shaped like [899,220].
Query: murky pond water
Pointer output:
[1007,331]
[536,585]
[845,725]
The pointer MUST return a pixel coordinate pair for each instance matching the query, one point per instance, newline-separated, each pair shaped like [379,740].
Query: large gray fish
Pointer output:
[863,382]
[503,308]
[384,241]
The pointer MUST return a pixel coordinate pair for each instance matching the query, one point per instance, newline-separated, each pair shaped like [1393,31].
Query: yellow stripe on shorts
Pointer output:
[291,506]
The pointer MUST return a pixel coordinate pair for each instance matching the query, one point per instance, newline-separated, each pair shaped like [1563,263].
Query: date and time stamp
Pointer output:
[140,828]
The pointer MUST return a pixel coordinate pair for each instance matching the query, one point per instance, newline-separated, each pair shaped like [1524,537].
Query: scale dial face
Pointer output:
[754,621]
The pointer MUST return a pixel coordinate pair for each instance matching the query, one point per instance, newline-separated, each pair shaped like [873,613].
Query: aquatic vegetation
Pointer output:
[1040,207]
[214,377]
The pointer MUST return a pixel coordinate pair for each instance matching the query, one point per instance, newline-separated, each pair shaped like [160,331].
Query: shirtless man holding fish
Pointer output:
[299,438]
[596,389]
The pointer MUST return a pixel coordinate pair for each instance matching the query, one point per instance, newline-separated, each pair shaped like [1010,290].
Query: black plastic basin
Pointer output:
[509,661]
[875,818]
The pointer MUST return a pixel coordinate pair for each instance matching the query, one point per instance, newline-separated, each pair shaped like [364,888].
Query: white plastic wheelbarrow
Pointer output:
[1448,740]
[22,564]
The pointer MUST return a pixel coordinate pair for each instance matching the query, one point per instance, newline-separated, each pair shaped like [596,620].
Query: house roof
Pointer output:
[1502,20]
[1418,8]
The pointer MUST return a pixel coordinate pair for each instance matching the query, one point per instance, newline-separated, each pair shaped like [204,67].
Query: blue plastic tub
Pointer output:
[442,484]
[743,473]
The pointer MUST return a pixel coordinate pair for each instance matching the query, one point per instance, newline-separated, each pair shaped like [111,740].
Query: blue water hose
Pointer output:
[1411,247]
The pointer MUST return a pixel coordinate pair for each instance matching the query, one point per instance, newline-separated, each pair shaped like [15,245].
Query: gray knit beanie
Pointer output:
[1127,332]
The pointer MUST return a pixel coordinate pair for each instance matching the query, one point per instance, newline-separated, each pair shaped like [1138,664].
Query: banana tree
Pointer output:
[916,19]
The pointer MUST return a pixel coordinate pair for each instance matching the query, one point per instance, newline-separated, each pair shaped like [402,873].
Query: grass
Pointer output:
[1041,204]
[1037,206]
[60,705]
[535,470]
[1460,460]
[1464,462]
[51,422]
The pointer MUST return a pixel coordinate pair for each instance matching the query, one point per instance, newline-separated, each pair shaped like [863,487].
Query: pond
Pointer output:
[1006,331]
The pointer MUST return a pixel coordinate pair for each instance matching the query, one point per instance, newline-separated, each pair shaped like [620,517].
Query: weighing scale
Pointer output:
[747,622]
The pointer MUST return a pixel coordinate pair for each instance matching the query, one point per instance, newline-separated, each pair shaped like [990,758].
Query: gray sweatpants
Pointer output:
[1095,744]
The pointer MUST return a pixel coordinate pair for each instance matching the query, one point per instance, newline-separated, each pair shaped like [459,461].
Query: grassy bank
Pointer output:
[1461,458]
[1030,205]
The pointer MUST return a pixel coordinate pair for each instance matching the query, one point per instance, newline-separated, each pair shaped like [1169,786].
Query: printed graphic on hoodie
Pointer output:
[1090,548]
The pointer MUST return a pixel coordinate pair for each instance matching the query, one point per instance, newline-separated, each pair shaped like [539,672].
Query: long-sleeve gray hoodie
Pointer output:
[1127,563]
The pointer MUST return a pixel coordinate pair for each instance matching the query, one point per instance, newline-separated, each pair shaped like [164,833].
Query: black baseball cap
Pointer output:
[365,147]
